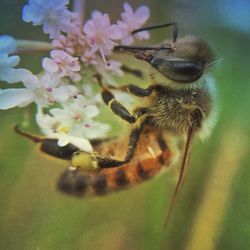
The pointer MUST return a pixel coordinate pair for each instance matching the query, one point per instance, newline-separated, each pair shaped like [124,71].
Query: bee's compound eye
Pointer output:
[179,70]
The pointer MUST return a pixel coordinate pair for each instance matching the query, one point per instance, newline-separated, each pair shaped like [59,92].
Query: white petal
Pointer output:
[7,44]
[144,35]
[11,75]
[49,65]
[91,111]
[60,94]
[81,143]
[96,130]
[6,61]
[29,80]
[10,98]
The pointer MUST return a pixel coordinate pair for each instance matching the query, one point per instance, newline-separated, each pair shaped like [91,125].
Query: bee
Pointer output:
[152,154]
[180,101]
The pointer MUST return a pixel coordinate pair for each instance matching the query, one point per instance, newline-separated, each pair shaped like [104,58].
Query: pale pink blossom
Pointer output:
[52,14]
[132,20]
[101,35]
[62,64]
[73,43]
[89,58]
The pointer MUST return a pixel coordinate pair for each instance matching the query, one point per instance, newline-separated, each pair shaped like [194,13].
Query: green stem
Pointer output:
[28,46]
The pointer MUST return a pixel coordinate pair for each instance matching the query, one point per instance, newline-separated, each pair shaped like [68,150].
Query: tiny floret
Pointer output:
[101,34]
[65,93]
[7,44]
[52,14]
[62,64]
[133,20]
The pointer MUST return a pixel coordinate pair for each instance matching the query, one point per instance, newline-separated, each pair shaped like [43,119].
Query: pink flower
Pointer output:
[73,43]
[133,20]
[62,64]
[89,58]
[101,34]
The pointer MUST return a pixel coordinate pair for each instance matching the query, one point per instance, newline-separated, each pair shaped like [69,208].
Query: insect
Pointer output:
[152,154]
[179,101]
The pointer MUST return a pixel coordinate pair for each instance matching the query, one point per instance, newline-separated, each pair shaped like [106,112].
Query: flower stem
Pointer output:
[78,8]
[27,46]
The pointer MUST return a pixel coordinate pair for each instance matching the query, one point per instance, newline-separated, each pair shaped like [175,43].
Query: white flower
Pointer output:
[43,91]
[101,34]
[53,128]
[62,64]
[133,20]
[6,67]
[52,14]
[7,44]
[74,120]
[7,71]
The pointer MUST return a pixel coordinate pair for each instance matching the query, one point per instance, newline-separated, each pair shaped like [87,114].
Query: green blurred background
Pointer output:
[213,209]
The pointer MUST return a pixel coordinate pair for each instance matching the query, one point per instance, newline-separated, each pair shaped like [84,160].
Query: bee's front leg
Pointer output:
[117,107]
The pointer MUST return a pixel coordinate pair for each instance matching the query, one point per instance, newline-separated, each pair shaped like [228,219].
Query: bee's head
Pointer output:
[181,63]
[185,62]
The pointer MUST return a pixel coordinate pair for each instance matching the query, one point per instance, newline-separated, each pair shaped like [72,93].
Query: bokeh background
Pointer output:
[213,209]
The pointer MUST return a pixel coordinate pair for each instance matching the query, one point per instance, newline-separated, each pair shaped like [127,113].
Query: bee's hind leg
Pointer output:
[106,161]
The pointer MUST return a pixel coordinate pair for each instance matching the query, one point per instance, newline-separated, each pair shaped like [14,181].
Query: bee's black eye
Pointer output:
[179,70]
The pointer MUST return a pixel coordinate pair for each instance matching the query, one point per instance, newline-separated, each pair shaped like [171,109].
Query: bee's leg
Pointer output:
[195,122]
[136,72]
[88,161]
[49,146]
[134,90]
[163,147]
[114,105]
[117,107]
[107,162]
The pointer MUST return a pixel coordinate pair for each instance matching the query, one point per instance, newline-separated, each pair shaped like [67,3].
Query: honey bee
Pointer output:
[152,154]
[180,101]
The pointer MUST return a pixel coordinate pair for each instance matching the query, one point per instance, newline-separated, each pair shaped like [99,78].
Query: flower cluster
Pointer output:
[67,105]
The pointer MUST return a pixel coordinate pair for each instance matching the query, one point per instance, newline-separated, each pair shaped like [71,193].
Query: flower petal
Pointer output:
[49,65]
[7,44]
[91,111]
[10,98]
[11,75]
[82,144]
[8,61]
[142,14]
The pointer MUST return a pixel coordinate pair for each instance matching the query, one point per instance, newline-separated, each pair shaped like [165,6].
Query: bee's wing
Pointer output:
[182,174]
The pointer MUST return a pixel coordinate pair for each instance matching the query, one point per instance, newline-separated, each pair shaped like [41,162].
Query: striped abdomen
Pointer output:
[151,155]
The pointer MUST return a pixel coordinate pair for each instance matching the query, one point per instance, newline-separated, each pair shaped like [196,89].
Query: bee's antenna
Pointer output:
[131,48]
[175,31]
[182,174]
